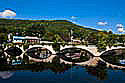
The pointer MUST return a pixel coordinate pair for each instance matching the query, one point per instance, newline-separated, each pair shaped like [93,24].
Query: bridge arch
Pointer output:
[39,59]
[113,56]
[79,62]
[109,49]
[15,50]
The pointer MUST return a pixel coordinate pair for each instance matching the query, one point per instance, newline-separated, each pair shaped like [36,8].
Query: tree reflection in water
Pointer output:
[57,68]
[100,71]
[3,59]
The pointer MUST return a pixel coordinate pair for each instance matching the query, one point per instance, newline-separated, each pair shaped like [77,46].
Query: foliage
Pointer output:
[58,31]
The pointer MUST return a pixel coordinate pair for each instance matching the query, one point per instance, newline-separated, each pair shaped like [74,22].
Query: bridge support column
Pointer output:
[94,51]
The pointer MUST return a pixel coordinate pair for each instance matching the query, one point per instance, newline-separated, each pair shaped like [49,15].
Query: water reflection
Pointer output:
[100,71]
[60,69]
[39,67]
[6,74]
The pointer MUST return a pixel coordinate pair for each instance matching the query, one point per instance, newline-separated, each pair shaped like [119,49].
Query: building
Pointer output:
[27,39]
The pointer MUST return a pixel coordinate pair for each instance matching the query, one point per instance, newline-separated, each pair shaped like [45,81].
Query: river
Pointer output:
[64,74]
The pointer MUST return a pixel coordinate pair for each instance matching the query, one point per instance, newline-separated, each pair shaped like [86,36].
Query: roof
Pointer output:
[21,37]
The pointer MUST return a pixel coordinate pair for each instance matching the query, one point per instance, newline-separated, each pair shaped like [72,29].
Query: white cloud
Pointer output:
[102,23]
[7,13]
[120,29]
[73,17]
[119,25]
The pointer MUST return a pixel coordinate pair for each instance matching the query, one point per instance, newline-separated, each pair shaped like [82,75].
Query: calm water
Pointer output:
[75,74]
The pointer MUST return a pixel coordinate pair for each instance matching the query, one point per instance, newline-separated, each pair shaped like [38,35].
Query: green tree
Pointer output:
[102,41]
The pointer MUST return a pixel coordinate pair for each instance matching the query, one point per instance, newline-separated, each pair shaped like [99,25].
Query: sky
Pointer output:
[85,12]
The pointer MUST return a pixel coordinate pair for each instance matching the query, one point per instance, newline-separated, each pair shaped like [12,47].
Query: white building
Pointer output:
[21,39]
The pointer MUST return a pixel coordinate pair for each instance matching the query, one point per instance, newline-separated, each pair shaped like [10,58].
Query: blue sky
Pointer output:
[88,12]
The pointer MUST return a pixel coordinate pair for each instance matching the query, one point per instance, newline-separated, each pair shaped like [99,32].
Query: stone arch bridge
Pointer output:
[90,48]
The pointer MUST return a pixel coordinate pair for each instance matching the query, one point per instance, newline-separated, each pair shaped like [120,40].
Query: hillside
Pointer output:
[45,29]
